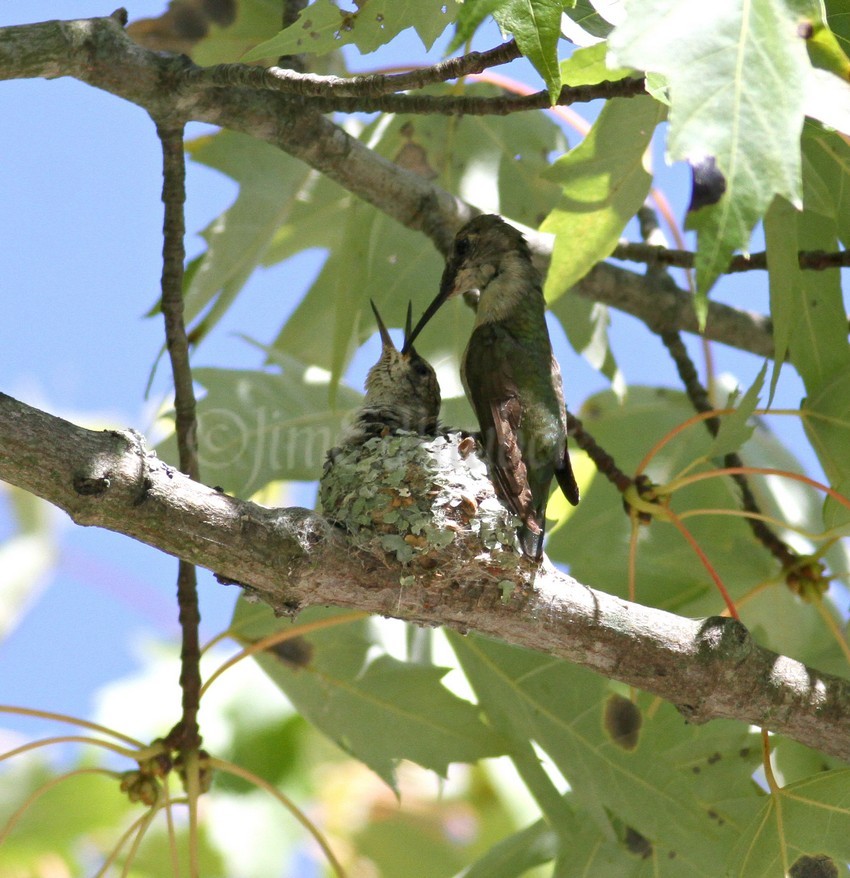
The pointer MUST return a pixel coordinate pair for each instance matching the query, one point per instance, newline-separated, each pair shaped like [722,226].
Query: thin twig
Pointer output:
[381,92]
[813,260]
[173,254]
[603,461]
[371,85]
[469,105]
[185,735]
[698,396]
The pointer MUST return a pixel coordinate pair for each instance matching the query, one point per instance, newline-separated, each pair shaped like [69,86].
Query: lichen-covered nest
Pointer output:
[414,497]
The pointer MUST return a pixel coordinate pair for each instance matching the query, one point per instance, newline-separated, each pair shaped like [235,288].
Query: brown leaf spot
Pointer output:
[818,866]
[638,844]
[296,652]
[622,721]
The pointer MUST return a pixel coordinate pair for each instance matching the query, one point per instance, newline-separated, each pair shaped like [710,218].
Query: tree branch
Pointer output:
[652,254]
[363,85]
[185,736]
[292,558]
[98,52]
[787,557]
[473,105]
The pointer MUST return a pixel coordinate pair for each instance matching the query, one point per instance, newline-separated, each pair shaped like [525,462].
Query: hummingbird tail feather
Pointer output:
[566,479]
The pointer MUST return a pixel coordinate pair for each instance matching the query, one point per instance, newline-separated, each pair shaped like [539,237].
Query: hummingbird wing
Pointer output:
[492,389]
[564,468]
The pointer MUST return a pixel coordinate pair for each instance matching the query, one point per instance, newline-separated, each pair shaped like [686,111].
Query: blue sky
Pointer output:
[80,184]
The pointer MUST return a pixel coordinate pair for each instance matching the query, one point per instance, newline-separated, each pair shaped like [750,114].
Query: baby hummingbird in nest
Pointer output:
[509,373]
[402,392]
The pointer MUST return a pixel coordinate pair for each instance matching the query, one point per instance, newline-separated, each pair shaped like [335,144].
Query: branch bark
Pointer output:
[365,85]
[293,558]
[98,52]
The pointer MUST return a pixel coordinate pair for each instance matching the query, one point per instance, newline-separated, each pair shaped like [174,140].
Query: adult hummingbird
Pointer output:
[509,373]
[402,392]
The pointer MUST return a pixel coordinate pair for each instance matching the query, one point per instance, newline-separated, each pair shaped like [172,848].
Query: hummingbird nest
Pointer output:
[419,499]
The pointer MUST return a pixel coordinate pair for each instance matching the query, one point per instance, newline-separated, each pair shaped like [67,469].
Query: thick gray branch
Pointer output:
[292,558]
[98,52]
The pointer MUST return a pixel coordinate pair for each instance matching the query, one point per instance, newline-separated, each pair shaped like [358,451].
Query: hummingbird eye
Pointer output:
[420,367]
[462,248]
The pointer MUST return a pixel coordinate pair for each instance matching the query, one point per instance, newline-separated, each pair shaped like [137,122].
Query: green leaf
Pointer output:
[838,22]
[828,162]
[735,429]
[256,20]
[586,16]
[495,163]
[804,819]
[380,711]
[826,417]
[374,257]
[737,71]
[79,808]
[604,183]
[395,711]
[397,838]
[536,27]
[807,306]
[794,762]
[156,855]
[783,266]
[828,100]
[271,750]
[818,344]
[258,427]
[516,854]
[668,785]
[323,27]
[270,184]
[668,574]
[586,326]
[825,49]
[587,66]
[469,18]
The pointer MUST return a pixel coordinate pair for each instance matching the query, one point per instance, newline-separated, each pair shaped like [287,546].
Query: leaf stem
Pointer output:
[287,803]
[279,637]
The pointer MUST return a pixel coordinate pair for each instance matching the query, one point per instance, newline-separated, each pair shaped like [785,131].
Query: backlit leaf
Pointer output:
[678,811]
[536,27]
[604,182]
[735,428]
[324,27]
[587,66]
[737,71]
[472,13]
[493,162]
[270,182]
[380,711]
[256,427]
[668,573]
[807,819]
[256,21]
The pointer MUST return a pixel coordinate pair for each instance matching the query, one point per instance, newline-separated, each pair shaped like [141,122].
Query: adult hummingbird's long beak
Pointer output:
[447,290]
[386,341]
